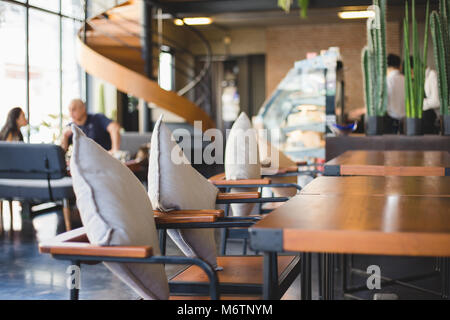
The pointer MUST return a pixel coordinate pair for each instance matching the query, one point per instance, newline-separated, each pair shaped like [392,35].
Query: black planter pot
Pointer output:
[374,125]
[414,127]
[445,125]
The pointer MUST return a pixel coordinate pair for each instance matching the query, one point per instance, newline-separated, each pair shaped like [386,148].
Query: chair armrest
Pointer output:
[204,212]
[220,176]
[86,249]
[291,169]
[75,242]
[243,182]
[187,216]
[238,195]
[219,179]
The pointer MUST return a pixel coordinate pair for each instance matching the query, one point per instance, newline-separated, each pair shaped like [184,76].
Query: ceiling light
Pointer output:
[193,21]
[178,22]
[356,14]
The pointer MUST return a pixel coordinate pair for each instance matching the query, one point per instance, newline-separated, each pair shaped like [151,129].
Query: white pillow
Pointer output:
[242,159]
[173,184]
[115,210]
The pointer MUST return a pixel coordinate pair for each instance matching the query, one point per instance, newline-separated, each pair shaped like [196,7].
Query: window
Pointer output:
[12,59]
[52,5]
[44,76]
[72,8]
[165,74]
[72,74]
[54,77]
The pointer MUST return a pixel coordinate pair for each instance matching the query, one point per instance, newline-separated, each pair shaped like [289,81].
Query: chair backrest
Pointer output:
[20,160]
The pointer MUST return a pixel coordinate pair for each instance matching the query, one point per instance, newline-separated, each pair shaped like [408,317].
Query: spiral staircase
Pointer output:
[110,48]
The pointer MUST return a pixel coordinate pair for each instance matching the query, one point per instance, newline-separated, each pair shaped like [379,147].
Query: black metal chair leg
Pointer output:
[326,275]
[11,217]
[270,291]
[224,235]
[344,273]
[223,244]
[74,286]
[162,241]
[331,277]
[1,216]
[305,276]
[320,274]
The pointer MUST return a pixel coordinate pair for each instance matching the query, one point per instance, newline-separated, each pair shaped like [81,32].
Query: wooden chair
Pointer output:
[75,247]
[223,184]
[241,277]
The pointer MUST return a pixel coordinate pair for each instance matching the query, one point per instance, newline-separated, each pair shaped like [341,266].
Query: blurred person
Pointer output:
[396,96]
[97,126]
[431,103]
[11,130]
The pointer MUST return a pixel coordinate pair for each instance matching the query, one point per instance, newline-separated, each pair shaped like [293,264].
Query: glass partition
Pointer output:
[298,111]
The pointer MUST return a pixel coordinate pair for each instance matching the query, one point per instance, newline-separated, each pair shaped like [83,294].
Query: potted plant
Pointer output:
[414,83]
[441,37]
[374,67]
[303,5]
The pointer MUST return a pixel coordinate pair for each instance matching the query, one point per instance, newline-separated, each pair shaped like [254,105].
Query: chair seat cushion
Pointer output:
[28,189]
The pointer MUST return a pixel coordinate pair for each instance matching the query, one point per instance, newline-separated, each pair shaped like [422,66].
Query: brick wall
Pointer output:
[287,44]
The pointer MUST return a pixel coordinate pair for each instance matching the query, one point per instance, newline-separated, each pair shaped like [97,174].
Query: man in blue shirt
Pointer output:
[96,126]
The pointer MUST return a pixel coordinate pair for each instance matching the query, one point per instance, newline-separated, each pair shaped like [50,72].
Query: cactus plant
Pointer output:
[414,85]
[101,99]
[303,5]
[439,25]
[374,66]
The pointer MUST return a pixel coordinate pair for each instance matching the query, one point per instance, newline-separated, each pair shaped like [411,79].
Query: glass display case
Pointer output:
[304,105]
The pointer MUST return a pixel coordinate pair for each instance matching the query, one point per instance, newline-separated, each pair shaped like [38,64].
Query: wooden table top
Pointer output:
[383,163]
[359,224]
[377,185]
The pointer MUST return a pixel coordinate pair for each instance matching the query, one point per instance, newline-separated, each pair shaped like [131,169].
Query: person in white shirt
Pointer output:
[396,96]
[431,102]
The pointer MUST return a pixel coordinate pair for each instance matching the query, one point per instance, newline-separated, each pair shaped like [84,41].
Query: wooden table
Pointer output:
[390,163]
[353,224]
[376,185]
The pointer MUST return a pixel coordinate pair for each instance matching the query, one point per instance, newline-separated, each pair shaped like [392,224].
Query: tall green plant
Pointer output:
[374,61]
[303,4]
[439,24]
[101,99]
[414,84]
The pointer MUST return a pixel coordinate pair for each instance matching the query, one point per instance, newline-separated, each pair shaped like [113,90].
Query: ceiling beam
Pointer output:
[223,6]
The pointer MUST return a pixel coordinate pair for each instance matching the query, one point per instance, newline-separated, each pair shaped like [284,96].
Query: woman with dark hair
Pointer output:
[11,130]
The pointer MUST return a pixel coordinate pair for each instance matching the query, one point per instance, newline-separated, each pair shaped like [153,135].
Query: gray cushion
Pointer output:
[115,210]
[27,189]
[174,185]
[242,159]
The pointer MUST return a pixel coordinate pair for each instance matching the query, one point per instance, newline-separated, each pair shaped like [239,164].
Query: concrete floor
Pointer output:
[26,274]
